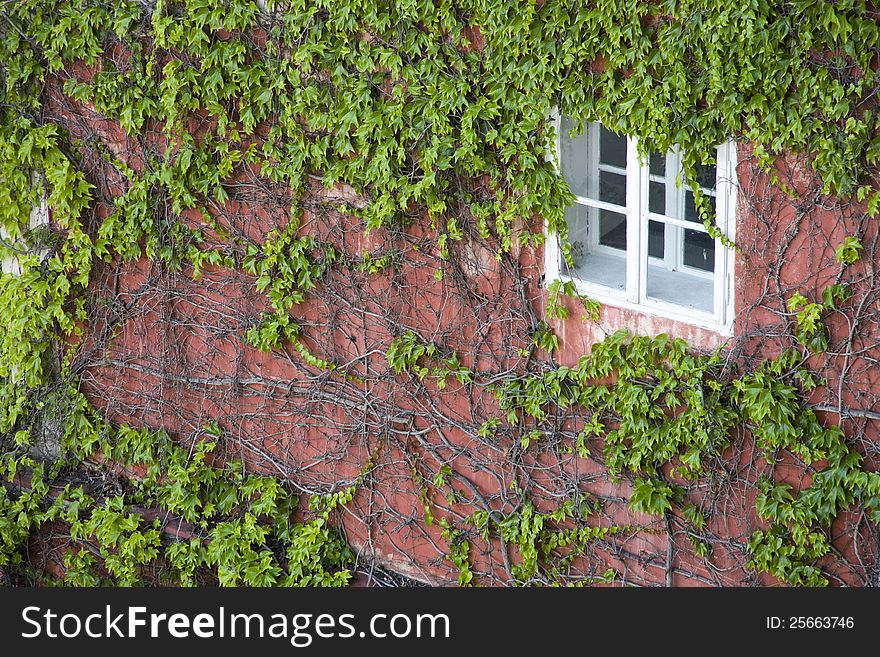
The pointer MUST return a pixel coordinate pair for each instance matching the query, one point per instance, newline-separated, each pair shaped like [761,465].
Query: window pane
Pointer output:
[573,158]
[681,288]
[706,175]
[576,156]
[657,164]
[699,250]
[612,229]
[690,207]
[612,188]
[656,239]
[657,197]
[604,268]
[612,148]
[577,217]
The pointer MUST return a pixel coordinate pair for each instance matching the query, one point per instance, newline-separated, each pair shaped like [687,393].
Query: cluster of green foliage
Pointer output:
[667,419]
[240,527]
[405,102]
[547,542]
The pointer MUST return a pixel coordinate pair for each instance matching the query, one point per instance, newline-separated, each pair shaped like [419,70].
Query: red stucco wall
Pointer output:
[167,351]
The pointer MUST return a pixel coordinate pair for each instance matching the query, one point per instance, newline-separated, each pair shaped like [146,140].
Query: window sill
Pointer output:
[651,307]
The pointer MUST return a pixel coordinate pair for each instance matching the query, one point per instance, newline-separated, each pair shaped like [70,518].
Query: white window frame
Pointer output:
[634,296]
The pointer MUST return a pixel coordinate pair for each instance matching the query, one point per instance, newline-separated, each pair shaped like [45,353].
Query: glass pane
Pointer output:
[681,288]
[577,217]
[699,250]
[612,229]
[706,175]
[690,207]
[657,164]
[608,269]
[576,156]
[612,188]
[656,239]
[657,197]
[612,148]
[573,158]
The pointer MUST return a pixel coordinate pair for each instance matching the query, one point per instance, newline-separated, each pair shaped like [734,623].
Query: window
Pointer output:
[636,237]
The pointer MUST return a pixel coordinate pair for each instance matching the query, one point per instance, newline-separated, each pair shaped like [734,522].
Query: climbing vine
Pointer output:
[287,324]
